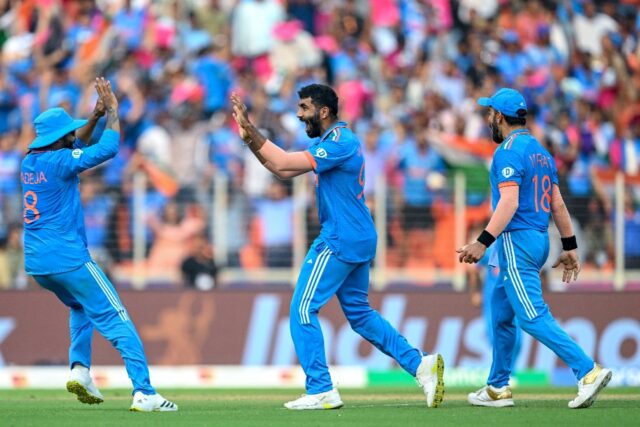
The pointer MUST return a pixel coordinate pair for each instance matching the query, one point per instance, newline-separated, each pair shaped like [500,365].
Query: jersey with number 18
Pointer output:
[521,160]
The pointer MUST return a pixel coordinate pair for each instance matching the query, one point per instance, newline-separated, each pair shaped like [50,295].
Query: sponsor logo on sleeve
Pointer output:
[321,153]
[508,171]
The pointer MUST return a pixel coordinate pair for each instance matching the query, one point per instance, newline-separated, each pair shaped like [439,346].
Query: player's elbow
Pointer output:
[513,208]
[112,152]
[510,203]
[278,166]
[107,154]
[558,206]
[282,176]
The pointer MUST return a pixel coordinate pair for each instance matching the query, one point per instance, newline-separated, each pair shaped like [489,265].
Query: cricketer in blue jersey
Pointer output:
[524,186]
[338,260]
[55,245]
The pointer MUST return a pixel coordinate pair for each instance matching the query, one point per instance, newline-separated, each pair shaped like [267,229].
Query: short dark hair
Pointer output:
[321,96]
[512,121]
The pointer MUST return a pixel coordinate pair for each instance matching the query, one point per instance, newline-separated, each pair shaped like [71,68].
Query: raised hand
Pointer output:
[110,101]
[570,264]
[84,133]
[99,109]
[240,115]
[105,93]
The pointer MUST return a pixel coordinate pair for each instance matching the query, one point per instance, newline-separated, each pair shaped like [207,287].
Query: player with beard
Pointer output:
[524,186]
[338,261]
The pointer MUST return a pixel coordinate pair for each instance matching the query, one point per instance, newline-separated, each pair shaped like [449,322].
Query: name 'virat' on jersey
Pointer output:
[521,160]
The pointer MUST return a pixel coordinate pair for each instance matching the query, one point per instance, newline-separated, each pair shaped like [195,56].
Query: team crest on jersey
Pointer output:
[322,153]
[508,171]
[76,153]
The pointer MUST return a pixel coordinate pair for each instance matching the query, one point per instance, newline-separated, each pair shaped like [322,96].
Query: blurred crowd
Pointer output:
[407,73]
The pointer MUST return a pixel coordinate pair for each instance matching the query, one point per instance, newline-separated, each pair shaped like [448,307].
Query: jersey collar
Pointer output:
[517,132]
[332,128]
[512,135]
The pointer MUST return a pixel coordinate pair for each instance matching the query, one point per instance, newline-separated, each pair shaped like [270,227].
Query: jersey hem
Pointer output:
[60,271]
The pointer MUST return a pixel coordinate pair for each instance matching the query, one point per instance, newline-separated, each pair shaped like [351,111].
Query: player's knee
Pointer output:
[502,318]
[294,309]
[529,324]
[359,319]
[301,315]
[295,319]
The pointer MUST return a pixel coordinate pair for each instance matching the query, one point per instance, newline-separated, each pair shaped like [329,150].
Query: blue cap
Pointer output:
[52,125]
[507,101]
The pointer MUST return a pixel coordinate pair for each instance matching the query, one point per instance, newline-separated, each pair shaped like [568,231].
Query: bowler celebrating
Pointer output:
[338,260]
[524,186]
[55,246]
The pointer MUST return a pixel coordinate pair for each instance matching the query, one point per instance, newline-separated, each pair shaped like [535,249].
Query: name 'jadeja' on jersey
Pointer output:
[33,178]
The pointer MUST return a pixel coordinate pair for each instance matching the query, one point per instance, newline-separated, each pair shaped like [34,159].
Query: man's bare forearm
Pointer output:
[255,138]
[501,217]
[560,214]
[274,170]
[85,132]
[505,209]
[113,119]
[261,158]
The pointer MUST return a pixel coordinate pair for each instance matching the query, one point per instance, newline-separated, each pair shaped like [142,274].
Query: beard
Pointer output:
[496,135]
[69,142]
[313,128]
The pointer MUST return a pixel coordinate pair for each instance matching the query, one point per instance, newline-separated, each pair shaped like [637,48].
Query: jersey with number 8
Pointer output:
[521,160]
[54,234]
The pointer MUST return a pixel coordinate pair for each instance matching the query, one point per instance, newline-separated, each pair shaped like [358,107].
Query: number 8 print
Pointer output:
[30,207]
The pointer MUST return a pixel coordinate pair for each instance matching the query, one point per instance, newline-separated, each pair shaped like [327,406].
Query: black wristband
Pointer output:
[569,243]
[486,238]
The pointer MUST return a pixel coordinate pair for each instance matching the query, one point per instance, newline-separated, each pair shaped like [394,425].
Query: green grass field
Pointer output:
[398,407]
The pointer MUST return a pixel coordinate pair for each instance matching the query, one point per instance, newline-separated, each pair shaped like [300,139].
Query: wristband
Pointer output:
[569,243]
[486,238]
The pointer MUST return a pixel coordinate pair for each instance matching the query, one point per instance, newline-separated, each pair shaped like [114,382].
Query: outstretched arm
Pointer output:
[505,209]
[275,159]
[568,258]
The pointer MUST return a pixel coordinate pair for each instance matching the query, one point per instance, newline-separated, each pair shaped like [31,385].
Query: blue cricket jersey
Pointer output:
[54,233]
[347,226]
[521,160]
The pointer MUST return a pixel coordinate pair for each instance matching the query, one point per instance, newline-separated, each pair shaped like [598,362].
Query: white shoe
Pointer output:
[590,385]
[151,403]
[81,384]
[430,375]
[492,397]
[327,400]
